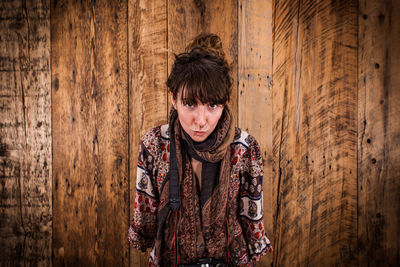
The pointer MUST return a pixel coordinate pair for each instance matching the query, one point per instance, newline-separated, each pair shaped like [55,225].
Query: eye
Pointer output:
[188,103]
[213,106]
[189,106]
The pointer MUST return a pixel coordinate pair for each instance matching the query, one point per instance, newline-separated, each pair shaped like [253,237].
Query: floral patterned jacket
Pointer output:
[245,190]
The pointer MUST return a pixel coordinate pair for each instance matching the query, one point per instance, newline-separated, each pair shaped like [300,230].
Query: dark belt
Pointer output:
[206,262]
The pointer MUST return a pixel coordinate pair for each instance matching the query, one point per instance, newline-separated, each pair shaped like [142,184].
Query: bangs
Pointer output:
[204,84]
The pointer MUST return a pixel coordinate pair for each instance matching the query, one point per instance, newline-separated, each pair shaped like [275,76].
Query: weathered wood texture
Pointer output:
[255,90]
[25,134]
[186,19]
[331,146]
[147,28]
[315,132]
[90,133]
[379,133]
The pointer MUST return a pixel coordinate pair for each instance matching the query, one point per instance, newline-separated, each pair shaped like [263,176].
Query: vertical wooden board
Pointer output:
[333,128]
[147,28]
[25,134]
[90,133]
[186,19]
[285,16]
[314,120]
[255,89]
[379,133]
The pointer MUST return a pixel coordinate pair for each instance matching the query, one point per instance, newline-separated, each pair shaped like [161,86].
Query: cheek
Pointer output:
[216,118]
[185,119]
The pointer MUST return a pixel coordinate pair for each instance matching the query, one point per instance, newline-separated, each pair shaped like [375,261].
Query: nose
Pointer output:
[201,119]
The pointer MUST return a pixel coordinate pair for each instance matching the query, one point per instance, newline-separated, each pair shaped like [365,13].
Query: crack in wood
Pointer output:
[278,197]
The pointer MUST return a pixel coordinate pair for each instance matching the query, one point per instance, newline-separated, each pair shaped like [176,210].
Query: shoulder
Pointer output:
[247,152]
[155,139]
[244,139]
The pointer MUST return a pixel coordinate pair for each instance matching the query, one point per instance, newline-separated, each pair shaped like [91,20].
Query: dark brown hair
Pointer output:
[202,72]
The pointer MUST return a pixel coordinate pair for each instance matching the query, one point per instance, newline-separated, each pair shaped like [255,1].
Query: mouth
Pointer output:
[200,133]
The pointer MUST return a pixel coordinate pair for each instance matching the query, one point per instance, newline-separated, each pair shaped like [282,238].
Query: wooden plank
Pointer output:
[90,133]
[285,17]
[147,28]
[25,134]
[255,90]
[379,133]
[314,132]
[186,19]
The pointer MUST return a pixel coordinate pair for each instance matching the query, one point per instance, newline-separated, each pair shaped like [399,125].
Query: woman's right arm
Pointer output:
[142,231]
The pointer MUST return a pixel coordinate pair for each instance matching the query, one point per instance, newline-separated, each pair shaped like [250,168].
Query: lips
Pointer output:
[200,133]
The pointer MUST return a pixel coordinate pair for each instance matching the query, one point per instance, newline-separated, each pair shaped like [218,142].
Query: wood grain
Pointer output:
[25,134]
[379,133]
[90,133]
[147,28]
[186,19]
[328,126]
[255,90]
[315,132]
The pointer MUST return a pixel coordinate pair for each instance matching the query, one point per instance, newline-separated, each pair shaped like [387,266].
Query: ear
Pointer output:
[171,97]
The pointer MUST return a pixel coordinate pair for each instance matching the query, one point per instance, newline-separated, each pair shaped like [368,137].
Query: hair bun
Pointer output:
[209,42]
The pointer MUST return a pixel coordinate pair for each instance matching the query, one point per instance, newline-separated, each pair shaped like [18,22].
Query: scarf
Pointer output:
[193,226]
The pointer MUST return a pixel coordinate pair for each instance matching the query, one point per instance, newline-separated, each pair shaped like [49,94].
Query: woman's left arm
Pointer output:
[251,201]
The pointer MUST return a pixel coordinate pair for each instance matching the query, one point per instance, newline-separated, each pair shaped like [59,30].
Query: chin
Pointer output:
[199,139]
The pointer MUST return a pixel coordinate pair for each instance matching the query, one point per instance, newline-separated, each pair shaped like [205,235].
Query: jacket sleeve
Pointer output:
[251,202]
[143,228]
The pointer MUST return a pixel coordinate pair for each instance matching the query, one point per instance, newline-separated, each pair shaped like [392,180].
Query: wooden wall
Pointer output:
[25,134]
[147,42]
[315,132]
[90,133]
[379,133]
[316,82]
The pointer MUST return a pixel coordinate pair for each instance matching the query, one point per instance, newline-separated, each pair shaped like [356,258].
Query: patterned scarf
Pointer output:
[199,222]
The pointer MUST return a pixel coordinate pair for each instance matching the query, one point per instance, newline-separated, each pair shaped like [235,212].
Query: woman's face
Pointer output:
[198,120]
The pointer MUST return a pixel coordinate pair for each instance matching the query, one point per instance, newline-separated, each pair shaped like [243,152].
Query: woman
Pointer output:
[199,181]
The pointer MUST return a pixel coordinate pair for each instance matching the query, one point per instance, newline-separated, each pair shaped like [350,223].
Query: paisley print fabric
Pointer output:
[245,232]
